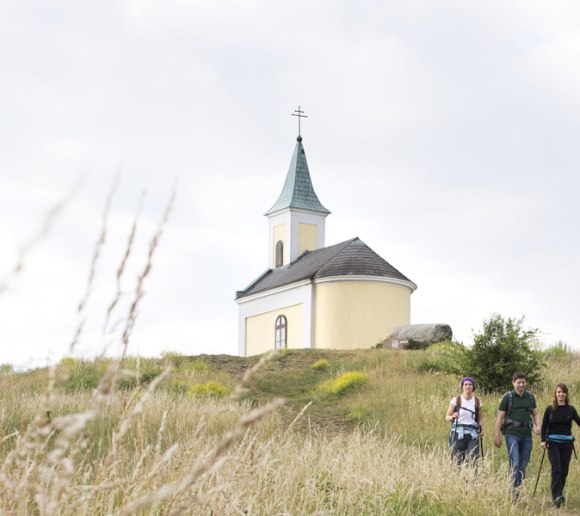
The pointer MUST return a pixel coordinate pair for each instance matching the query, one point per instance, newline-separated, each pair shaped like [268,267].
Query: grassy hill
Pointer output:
[357,432]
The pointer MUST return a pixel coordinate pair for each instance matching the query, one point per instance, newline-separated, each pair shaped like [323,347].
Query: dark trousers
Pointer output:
[466,448]
[559,455]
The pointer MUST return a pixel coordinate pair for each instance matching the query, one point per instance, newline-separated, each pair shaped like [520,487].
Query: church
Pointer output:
[344,296]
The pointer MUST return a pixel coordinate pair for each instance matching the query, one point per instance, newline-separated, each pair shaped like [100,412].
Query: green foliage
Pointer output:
[175,359]
[327,489]
[558,351]
[6,369]
[127,383]
[344,383]
[503,347]
[358,413]
[175,386]
[141,373]
[149,375]
[444,357]
[320,365]
[76,375]
[185,363]
[209,389]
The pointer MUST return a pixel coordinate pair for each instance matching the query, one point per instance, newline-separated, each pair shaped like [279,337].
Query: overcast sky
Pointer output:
[443,134]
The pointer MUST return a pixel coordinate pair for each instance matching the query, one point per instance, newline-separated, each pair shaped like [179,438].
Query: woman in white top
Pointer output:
[465,413]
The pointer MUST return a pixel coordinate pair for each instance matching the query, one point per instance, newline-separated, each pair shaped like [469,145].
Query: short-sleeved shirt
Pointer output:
[521,411]
[466,411]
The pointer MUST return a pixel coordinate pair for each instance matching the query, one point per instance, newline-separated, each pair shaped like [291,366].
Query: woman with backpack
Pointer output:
[465,413]
[557,439]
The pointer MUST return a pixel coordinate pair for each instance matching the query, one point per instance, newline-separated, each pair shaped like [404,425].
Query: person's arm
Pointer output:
[480,418]
[451,413]
[575,416]
[537,424]
[544,430]
[499,421]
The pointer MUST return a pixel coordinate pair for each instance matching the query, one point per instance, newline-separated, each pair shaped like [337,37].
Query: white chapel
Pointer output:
[343,296]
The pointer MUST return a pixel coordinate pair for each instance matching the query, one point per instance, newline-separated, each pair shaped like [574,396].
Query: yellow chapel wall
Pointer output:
[260,329]
[358,314]
[307,237]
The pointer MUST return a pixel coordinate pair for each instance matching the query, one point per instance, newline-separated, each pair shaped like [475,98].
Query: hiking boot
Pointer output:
[559,501]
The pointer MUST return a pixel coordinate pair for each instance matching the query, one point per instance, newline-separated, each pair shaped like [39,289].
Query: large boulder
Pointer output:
[417,336]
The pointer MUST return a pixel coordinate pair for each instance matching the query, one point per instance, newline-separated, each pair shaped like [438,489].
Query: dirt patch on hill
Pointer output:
[232,365]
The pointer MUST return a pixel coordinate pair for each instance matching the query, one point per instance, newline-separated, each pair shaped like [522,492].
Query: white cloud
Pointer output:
[444,135]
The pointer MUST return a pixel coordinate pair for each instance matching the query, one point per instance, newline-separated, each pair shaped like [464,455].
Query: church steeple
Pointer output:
[297,218]
[298,191]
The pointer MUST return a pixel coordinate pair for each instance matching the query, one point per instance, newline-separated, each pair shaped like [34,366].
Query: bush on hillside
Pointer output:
[78,375]
[6,368]
[209,389]
[501,348]
[558,351]
[320,365]
[344,383]
[443,357]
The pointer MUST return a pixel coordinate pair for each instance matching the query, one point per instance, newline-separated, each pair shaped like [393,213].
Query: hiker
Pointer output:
[557,439]
[517,408]
[465,412]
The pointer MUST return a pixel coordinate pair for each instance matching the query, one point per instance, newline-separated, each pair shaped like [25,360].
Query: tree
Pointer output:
[502,348]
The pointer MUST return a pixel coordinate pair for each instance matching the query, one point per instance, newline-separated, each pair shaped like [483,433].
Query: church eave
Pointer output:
[366,277]
[297,208]
[240,293]
[268,292]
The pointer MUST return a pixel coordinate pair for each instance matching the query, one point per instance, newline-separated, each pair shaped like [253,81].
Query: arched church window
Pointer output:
[281,339]
[279,253]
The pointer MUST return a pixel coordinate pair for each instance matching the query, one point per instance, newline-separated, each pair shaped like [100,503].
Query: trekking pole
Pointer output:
[539,471]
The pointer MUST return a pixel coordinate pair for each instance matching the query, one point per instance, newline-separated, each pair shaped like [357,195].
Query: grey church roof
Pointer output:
[350,258]
[298,191]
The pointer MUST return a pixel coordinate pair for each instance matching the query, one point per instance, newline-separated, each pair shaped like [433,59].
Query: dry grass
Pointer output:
[132,440]
[160,452]
[168,454]
[127,451]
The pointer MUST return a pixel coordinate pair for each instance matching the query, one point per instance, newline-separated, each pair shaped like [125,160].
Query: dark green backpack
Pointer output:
[509,422]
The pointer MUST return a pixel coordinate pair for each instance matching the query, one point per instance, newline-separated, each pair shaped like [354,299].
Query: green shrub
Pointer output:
[150,375]
[199,366]
[69,363]
[77,375]
[209,389]
[344,383]
[503,347]
[175,359]
[558,351]
[175,386]
[320,365]
[127,383]
[6,368]
[445,357]
[358,413]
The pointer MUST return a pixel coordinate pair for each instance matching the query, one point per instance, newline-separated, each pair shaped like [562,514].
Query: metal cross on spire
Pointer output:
[300,114]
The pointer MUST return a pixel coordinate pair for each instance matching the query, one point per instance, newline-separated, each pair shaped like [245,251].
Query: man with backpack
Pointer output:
[516,417]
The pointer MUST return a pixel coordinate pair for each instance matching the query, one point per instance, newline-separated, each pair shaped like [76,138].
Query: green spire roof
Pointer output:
[298,191]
